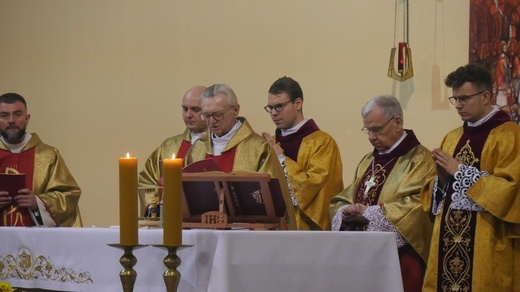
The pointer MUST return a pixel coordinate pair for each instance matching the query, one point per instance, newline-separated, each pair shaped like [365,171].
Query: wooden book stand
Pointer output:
[221,200]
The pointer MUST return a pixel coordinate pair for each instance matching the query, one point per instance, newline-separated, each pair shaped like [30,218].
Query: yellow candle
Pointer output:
[128,200]
[172,192]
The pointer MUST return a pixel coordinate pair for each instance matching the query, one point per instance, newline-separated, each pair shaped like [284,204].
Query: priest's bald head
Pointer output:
[191,110]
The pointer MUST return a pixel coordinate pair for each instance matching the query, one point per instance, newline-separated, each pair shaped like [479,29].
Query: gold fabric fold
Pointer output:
[315,179]
[400,196]
[54,184]
[496,262]
[253,154]
[152,172]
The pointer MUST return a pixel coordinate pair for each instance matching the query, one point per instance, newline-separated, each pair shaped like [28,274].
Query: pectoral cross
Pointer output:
[368,184]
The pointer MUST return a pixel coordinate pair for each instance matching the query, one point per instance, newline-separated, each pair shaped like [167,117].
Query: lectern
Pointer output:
[221,200]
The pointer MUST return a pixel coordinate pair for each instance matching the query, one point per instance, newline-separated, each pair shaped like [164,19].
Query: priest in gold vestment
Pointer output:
[310,156]
[50,197]
[385,193]
[233,144]
[475,198]
[151,175]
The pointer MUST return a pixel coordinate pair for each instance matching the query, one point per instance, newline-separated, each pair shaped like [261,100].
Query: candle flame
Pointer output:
[127,155]
[173,156]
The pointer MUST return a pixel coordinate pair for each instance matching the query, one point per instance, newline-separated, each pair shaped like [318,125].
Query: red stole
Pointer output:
[226,159]
[17,163]
[183,149]
[185,146]
[291,143]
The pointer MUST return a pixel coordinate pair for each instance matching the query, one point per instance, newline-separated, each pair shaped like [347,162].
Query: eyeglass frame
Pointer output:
[376,130]
[278,107]
[463,99]
[220,115]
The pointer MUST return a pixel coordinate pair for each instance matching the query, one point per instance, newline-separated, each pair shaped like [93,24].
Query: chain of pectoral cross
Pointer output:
[371,182]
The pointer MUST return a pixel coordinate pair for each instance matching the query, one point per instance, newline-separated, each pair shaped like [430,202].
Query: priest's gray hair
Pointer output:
[220,89]
[388,103]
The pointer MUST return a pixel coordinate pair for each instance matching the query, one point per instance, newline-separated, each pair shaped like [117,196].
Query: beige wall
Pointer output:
[104,77]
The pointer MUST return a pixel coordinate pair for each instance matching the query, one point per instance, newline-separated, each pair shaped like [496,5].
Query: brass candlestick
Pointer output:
[172,276]
[128,261]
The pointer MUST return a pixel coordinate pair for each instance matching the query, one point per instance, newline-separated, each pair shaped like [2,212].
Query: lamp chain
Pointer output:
[407,18]
[406,21]
[395,23]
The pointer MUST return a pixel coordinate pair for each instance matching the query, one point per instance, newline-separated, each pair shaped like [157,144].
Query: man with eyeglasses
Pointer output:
[179,145]
[475,197]
[49,196]
[385,193]
[310,156]
[233,145]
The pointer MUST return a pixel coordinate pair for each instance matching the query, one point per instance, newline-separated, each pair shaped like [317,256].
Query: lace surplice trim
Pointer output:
[465,177]
[336,219]
[379,222]
[281,158]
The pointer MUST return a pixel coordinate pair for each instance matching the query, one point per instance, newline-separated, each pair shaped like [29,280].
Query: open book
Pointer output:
[12,183]
[243,197]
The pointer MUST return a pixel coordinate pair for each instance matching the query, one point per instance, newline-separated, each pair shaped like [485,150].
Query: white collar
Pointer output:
[219,143]
[484,119]
[17,148]
[395,144]
[195,136]
[286,132]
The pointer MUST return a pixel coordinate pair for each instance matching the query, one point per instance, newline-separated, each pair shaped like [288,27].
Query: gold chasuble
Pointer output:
[475,243]
[251,154]
[315,172]
[50,180]
[393,181]
[151,173]
[178,145]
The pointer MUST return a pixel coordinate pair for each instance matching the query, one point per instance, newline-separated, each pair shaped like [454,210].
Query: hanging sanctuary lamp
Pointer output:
[404,57]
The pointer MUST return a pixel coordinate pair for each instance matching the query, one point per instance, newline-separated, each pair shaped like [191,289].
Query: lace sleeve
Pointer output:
[337,219]
[466,177]
[281,158]
[378,222]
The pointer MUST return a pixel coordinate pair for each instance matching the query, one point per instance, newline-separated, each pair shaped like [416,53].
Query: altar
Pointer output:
[79,259]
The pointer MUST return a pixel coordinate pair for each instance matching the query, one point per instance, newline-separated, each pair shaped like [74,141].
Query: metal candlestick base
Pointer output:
[128,261]
[172,276]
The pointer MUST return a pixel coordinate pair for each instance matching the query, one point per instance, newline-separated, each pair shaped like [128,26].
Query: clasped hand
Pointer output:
[353,214]
[446,166]
[25,198]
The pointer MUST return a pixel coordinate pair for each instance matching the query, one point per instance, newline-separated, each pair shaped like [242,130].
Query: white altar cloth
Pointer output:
[79,259]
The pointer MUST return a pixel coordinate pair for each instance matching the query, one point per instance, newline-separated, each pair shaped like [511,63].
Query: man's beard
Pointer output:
[13,137]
